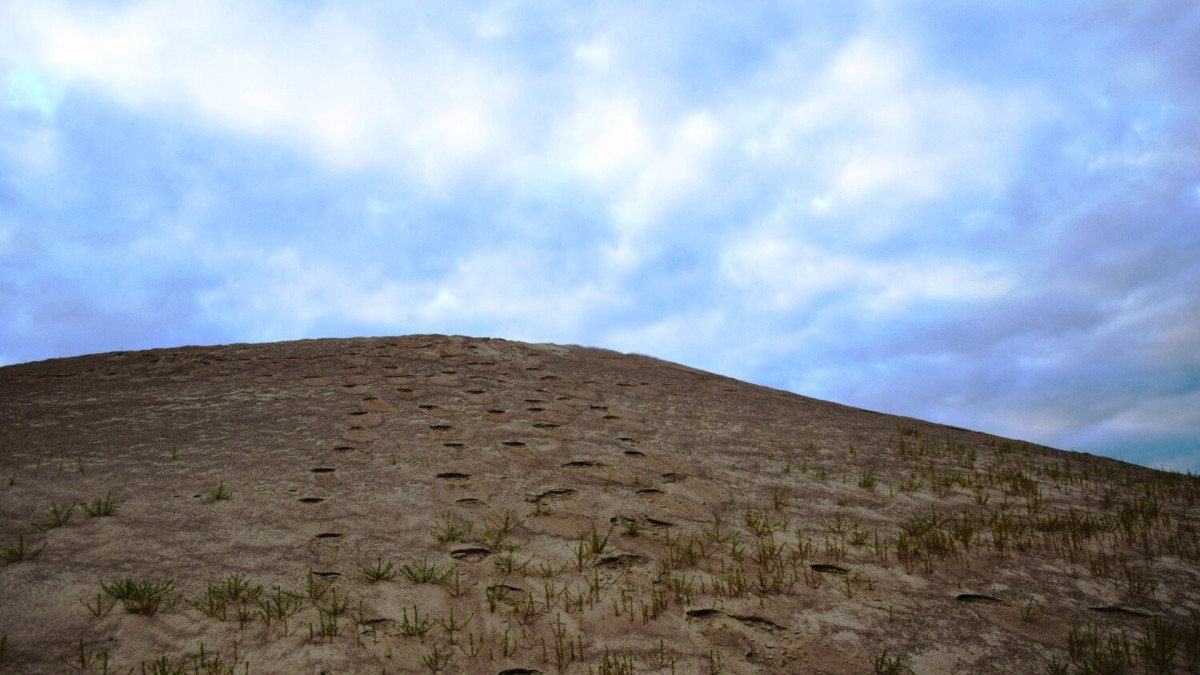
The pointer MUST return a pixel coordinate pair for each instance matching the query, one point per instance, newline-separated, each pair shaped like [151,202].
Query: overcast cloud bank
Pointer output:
[984,214]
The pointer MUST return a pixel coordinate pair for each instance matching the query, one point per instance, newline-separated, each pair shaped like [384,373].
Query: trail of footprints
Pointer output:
[384,402]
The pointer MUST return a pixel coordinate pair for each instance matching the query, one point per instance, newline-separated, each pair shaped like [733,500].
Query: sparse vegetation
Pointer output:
[100,507]
[219,493]
[143,597]
[891,665]
[57,517]
[425,572]
[20,551]
[378,571]
[945,511]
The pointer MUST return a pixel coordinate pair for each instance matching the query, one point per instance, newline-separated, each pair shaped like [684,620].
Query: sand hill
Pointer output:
[446,504]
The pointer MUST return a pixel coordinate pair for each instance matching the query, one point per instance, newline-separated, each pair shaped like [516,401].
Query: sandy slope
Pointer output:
[626,515]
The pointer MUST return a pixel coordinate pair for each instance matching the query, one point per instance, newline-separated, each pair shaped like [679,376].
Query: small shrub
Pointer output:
[220,493]
[140,597]
[887,664]
[59,516]
[101,507]
[425,572]
[20,551]
[377,571]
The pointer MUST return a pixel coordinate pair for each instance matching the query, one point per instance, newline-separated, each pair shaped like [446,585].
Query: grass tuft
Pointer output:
[20,551]
[58,516]
[101,507]
[141,597]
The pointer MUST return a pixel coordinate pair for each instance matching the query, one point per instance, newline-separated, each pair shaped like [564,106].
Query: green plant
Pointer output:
[780,499]
[1093,652]
[1031,611]
[163,666]
[141,597]
[82,658]
[59,515]
[19,551]
[416,626]
[101,507]
[212,605]
[667,658]
[236,588]
[615,664]
[453,584]
[867,480]
[452,626]
[435,661]
[315,586]
[220,493]
[100,608]
[377,571]
[715,664]
[450,529]
[497,528]
[1158,646]
[887,664]
[425,572]
[589,547]
[280,606]
[539,507]
[206,663]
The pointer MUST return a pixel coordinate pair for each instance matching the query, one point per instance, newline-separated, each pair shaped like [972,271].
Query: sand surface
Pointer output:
[539,508]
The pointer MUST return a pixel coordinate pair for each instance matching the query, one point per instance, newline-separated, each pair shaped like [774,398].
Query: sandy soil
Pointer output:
[539,508]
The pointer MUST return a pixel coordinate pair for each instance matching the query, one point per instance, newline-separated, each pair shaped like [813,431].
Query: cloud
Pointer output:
[982,215]
[785,274]
[348,94]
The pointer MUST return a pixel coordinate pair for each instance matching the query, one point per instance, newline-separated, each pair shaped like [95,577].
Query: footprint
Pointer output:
[551,493]
[977,598]
[470,554]
[1115,609]
[830,569]
[757,622]
[621,560]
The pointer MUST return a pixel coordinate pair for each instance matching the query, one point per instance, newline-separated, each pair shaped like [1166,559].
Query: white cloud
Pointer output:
[875,128]
[692,337]
[607,137]
[26,88]
[350,95]
[596,55]
[783,273]
[286,292]
[1161,415]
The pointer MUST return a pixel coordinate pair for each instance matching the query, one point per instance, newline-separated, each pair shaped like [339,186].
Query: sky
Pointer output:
[980,213]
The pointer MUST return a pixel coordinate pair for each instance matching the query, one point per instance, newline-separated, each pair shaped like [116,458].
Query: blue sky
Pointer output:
[985,214]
